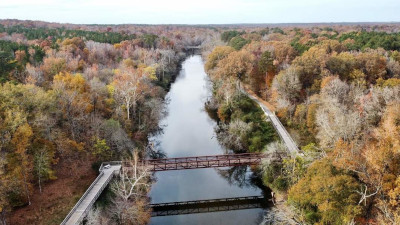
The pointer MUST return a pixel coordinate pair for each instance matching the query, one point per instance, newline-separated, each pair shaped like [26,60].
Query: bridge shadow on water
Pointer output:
[210,205]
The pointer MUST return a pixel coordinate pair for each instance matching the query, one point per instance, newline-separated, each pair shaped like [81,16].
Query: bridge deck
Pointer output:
[205,161]
[85,203]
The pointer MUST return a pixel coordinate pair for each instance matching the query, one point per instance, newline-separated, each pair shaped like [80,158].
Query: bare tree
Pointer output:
[128,89]
[134,177]
[97,216]
[287,85]
[336,122]
[335,117]
[116,136]
[131,189]
[35,75]
[166,61]
[232,135]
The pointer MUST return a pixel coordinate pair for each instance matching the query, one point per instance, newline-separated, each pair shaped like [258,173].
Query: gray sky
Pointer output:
[201,11]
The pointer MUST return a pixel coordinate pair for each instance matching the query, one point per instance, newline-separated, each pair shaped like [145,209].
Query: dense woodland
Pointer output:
[73,96]
[337,89]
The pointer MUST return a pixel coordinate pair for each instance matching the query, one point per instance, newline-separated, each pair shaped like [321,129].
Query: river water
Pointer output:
[189,131]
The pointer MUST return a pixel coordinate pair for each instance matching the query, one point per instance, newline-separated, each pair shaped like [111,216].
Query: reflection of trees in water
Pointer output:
[211,107]
[242,177]
[237,175]
[154,150]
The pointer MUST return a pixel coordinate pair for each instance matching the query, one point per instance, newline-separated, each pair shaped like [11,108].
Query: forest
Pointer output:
[73,96]
[337,90]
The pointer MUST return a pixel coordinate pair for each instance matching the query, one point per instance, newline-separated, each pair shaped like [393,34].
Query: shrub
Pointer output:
[238,42]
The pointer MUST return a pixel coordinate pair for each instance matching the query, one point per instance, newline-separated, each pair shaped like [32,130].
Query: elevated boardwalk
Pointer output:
[85,203]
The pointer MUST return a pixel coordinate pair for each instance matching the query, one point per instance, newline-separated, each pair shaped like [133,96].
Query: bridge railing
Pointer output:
[193,162]
[205,158]
[189,159]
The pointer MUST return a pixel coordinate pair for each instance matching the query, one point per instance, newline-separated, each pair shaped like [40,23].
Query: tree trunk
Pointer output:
[127,108]
[26,187]
[40,171]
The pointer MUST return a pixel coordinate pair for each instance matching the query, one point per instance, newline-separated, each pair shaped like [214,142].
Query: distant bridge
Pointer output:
[192,47]
[206,206]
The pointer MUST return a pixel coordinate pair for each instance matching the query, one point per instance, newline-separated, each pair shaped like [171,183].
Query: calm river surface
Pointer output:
[189,131]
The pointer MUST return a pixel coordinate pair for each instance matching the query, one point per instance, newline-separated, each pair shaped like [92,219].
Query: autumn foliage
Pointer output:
[72,97]
[338,94]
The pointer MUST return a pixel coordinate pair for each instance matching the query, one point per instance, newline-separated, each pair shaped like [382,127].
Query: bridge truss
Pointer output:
[211,161]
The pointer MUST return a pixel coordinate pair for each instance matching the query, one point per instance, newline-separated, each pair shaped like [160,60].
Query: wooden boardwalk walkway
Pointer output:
[85,203]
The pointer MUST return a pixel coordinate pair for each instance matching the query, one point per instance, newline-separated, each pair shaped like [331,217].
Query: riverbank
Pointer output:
[286,211]
[189,131]
[227,95]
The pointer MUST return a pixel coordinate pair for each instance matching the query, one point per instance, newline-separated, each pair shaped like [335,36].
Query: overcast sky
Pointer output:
[201,11]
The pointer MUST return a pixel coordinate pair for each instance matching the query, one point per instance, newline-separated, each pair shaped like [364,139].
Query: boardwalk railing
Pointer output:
[292,147]
[111,163]
[93,200]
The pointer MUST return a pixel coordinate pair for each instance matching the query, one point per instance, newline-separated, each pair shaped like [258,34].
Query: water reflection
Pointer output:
[154,150]
[208,205]
[189,131]
[237,175]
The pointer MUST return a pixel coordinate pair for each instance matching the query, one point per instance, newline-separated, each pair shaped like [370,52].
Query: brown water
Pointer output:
[189,131]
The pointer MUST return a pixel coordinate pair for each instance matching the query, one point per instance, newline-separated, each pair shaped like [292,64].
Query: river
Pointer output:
[189,131]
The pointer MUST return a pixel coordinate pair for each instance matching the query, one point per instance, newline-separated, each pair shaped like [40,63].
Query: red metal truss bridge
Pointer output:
[209,161]
[110,169]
